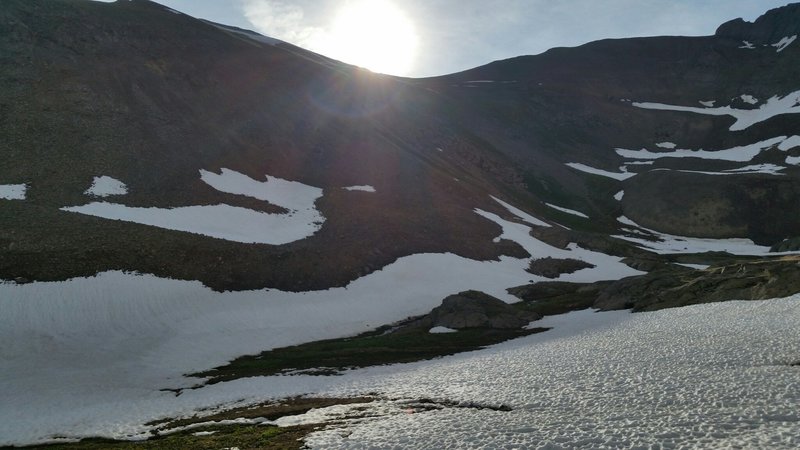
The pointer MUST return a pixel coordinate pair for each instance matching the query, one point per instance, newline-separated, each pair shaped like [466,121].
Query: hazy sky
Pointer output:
[434,37]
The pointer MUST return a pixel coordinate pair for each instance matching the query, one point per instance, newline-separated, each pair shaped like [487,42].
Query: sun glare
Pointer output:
[374,34]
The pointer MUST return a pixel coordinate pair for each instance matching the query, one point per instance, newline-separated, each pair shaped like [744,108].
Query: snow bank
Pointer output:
[105,186]
[775,106]
[13,191]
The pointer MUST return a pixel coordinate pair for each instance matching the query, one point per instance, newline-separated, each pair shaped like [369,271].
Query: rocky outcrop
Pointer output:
[672,288]
[769,28]
[553,268]
[473,309]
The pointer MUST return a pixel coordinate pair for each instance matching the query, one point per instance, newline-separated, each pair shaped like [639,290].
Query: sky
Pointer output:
[420,38]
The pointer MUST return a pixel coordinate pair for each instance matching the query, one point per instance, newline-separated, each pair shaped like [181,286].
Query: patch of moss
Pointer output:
[332,356]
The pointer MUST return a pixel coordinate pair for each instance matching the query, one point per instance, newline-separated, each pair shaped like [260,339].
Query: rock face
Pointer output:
[473,309]
[769,28]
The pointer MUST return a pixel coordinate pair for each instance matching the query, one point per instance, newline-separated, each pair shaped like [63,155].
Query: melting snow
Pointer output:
[740,154]
[105,186]
[568,211]
[672,244]
[365,188]
[668,145]
[13,191]
[89,356]
[775,106]
[440,330]
[230,222]
[604,173]
[783,43]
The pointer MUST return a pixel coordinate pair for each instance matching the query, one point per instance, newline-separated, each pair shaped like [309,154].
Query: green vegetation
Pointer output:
[370,349]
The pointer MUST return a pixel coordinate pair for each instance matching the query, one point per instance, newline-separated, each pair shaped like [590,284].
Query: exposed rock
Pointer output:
[553,268]
[473,309]
[674,287]
[787,245]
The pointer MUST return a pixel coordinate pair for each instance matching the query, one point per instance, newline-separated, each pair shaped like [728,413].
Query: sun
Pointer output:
[374,34]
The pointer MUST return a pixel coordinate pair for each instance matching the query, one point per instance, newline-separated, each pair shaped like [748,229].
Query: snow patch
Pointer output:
[667,145]
[694,266]
[13,191]
[789,143]
[775,106]
[603,173]
[664,243]
[618,196]
[770,169]
[749,99]
[567,210]
[291,195]
[105,186]
[783,43]
[739,154]
[793,160]
[522,214]
[230,222]
[709,103]
[364,188]
[748,45]
[440,330]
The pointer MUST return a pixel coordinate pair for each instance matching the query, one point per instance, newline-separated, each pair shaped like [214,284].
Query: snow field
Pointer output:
[90,356]
[704,376]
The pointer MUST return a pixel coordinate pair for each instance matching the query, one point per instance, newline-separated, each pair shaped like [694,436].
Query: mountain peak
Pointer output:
[772,26]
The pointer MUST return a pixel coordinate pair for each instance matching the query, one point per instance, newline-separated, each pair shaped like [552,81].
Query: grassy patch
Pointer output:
[370,349]
[242,436]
